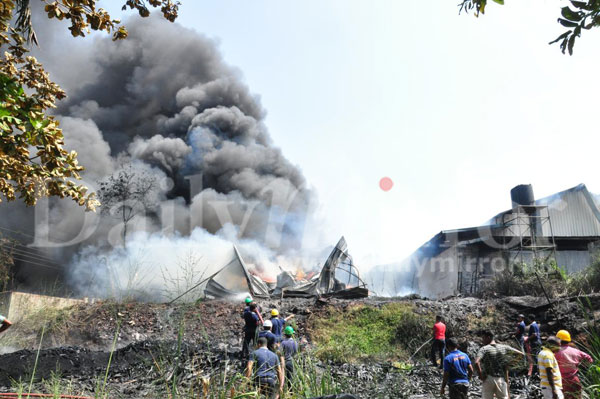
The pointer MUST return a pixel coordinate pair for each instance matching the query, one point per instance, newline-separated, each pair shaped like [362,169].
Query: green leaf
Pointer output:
[482,5]
[571,15]
[36,123]
[568,24]
[581,5]
[4,112]
[571,44]
[499,2]
[561,37]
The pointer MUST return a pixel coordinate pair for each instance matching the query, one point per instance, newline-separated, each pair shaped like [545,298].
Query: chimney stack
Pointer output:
[522,195]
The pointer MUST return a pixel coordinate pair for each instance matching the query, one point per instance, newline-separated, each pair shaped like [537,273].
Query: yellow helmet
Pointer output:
[563,335]
[274,312]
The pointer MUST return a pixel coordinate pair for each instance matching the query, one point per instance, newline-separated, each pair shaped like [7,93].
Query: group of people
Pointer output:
[529,338]
[557,361]
[270,348]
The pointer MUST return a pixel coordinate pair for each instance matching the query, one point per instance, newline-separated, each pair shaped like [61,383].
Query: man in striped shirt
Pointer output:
[492,363]
[550,378]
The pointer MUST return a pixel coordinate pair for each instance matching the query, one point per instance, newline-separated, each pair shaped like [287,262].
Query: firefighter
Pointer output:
[289,349]
[268,334]
[251,323]
[278,323]
[268,370]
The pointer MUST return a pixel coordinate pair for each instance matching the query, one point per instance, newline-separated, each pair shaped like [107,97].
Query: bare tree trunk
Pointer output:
[124,228]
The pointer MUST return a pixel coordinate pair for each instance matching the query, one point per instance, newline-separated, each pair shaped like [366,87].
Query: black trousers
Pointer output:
[458,391]
[267,386]
[536,348]
[438,347]
[249,343]
[289,371]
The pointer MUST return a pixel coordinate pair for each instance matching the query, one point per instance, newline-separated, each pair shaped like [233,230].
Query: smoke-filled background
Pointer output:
[164,106]
[164,100]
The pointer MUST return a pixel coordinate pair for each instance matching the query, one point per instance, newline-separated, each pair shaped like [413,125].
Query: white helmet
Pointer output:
[268,323]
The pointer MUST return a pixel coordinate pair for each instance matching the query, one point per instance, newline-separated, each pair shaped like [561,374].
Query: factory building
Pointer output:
[564,226]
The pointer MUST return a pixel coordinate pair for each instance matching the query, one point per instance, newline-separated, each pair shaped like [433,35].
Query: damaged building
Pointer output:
[564,226]
[338,278]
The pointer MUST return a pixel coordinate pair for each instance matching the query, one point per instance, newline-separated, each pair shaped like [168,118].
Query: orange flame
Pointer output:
[267,278]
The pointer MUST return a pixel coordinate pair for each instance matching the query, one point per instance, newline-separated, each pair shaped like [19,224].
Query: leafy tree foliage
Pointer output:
[7,262]
[33,162]
[579,16]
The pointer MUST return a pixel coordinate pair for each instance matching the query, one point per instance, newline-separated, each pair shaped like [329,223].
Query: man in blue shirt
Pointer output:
[278,323]
[534,338]
[289,348]
[520,331]
[457,371]
[268,334]
[268,370]
[251,322]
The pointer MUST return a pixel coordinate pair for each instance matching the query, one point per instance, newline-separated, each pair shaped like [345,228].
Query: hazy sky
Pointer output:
[456,110]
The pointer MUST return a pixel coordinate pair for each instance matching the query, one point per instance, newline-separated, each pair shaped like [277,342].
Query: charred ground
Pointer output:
[372,347]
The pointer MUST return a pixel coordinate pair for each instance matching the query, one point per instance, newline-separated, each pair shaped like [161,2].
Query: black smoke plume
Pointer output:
[165,101]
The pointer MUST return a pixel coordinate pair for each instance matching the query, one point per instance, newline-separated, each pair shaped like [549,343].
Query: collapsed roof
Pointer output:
[234,279]
[339,278]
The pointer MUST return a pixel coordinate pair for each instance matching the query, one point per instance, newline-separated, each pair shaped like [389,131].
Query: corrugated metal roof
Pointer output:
[573,213]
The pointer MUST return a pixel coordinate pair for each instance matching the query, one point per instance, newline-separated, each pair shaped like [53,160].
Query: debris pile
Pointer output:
[338,278]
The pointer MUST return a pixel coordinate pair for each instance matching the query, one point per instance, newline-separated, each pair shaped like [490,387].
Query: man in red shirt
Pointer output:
[569,359]
[439,341]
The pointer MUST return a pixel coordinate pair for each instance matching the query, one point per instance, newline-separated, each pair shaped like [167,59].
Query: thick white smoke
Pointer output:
[155,267]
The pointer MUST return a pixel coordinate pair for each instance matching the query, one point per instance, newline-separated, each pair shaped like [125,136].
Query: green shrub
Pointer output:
[586,281]
[309,380]
[521,279]
[537,279]
[591,376]
[392,331]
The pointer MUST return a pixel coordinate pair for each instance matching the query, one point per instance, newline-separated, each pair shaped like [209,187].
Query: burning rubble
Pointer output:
[338,278]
